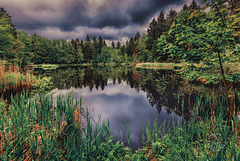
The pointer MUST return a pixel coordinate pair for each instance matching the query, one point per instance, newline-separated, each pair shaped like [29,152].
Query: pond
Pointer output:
[129,98]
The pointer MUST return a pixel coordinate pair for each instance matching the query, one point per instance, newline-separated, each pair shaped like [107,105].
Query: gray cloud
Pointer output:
[77,18]
[141,10]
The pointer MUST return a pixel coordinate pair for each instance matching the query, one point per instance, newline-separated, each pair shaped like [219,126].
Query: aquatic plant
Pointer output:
[208,136]
[11,77]
[43,128]
[46,129]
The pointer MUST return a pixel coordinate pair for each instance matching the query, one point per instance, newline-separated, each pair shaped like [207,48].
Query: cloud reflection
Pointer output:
[119,102]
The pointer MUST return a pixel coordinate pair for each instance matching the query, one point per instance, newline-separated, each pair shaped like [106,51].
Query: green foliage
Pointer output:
[105,56]
[167,51]
[42,85]
[47,129]
[11,76]
[6,38]
[208,139]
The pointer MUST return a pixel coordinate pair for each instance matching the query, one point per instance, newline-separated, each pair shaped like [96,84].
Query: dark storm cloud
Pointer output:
[114,15]
[77,16]
[78,13]
[74,16]
[141,10]
[62,19]
[112,18]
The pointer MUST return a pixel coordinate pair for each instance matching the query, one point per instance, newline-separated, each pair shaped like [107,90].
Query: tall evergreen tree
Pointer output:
[194,5]
[95,47]
[170,17]
[118,45]
[100,44]
[185,7]
[161,24]
[88,38]
[152,29]
[137,36]
[113,45]
[129,47]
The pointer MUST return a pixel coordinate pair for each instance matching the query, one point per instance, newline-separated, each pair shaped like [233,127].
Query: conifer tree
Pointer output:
[185,7]
[152,29]
[137,36]
[113,45]
[118,45]
[170,17]
[194,5]
[88,38]
[100,44]
[161,24]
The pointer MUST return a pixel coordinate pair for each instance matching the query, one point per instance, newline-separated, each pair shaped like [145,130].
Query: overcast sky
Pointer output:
[69,19]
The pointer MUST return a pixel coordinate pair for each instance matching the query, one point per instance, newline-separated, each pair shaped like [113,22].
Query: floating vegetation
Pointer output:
[164,66]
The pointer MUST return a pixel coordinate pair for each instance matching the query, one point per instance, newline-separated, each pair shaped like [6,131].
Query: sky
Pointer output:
[114,20]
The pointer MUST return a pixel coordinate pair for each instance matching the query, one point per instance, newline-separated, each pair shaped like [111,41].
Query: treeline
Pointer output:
[20,48]
[192,35]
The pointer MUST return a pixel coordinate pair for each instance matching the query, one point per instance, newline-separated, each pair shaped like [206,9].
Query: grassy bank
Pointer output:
[167,66]
[55,66]
[45,129]
[203,73]
[11,76]
[212,134]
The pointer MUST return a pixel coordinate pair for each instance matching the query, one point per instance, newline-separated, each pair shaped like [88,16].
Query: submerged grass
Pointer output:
[46,129]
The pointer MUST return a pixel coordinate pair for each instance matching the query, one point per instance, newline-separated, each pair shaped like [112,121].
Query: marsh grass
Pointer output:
[12,78]
[210,135]
[43,128]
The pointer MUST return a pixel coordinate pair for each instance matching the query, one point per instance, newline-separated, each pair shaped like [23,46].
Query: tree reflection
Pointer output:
[163,88]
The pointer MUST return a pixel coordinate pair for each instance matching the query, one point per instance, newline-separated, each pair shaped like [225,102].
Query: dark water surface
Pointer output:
[116,94]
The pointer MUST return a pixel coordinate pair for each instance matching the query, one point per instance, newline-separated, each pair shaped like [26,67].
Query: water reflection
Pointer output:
[118,102]
[139,96]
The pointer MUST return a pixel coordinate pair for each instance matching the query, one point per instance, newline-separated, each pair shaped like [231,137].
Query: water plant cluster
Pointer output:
[11,77]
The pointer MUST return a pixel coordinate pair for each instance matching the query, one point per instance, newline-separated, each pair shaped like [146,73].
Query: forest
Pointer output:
[190,34]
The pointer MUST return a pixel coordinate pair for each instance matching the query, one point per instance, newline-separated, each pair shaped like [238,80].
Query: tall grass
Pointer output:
[44,129]
[11,76]
[209,136]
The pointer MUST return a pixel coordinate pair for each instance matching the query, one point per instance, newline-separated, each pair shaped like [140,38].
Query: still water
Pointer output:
[124,94]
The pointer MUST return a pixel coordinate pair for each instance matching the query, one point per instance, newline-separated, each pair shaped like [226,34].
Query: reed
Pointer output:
[12,77]
[43,128]
[208,136]
[46,129]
